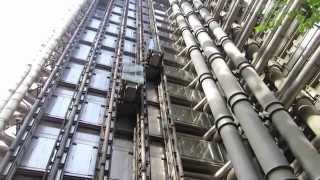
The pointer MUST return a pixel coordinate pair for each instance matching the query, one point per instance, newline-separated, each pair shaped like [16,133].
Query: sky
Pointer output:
[26,26]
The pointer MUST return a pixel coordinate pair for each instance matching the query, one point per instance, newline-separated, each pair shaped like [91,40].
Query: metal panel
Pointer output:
[81,52]
[93,110]
[121,167]
[59,102]
[105,58]
[157,162]
[154,121]
[94,23]
[100,79]
[72,73]
[84,150]
[110,41]
[88,35]
[37,156]
[113,28]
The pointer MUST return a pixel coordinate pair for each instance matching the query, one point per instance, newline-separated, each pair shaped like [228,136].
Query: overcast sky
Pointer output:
[25,26]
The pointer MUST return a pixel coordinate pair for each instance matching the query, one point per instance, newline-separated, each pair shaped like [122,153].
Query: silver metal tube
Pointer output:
[300,146]
[269,155]
[249,25]
[232,14]
[277,38]
[224,122]
[307,52]
[299,82]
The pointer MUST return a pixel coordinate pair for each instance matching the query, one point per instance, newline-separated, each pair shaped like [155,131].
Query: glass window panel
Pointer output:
[195,148]
[178,73]
[81,51]
[113,28]
[130,33]
[88,36]
[72,73]
[131,22]
[182,92]
[130,46]
[186,115]
[94,23]
[100,79]
[105,58]
[58,104]
[110,41]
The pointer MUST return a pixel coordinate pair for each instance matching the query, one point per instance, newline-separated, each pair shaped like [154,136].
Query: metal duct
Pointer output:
[259,138]
[300,146]
[224,121]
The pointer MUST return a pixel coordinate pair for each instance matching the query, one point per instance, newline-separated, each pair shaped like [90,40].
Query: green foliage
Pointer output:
[307,16]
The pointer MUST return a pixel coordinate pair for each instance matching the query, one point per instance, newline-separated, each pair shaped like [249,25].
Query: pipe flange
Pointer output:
[200,7]
[242,66]
[205,76]
[214,56]
[284,166]
[223,121]
[183,28]
[187,14]
[274,107]
[175,15]
[199,30]
[191,48]
[235,98]
[211,20]
[223,39]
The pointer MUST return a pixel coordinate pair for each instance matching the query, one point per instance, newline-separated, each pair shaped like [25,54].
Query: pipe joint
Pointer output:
[243,65]
[205,76]
[277,169]
[214,56]
[235,98]
[222,40]
[214,21]
[199,30]
[274,107]
[224,121]
[192,47]
[189,13]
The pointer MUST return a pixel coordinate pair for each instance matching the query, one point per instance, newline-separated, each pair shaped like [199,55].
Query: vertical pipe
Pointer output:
[269,155]
[276,39]
[232,14]
[299,82]
[249,25]
[307,52]
[224,121]
[300,146]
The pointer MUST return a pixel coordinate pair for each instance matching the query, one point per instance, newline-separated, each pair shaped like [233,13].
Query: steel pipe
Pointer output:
[232,14]
[224,121]
[300,146]
[300,81]
[250,23]
[272,160]
[301,61]
[277,38]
